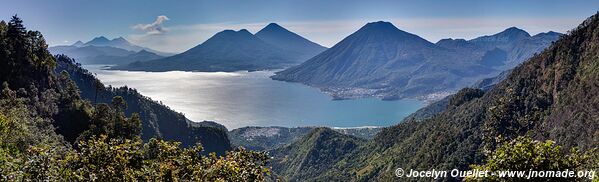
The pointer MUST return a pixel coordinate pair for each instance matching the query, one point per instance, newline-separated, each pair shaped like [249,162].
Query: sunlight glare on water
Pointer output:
[241,99]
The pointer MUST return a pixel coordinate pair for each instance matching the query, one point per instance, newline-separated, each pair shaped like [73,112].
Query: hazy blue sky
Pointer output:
[181,24]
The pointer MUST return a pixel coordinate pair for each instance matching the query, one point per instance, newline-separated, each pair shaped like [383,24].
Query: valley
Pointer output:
[299,90]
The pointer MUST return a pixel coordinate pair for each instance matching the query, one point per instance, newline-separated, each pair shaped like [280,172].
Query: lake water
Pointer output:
[241,99]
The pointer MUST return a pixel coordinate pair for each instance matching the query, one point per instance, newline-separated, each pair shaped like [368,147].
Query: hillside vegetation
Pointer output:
[49,132]
[552,97]
[313,154]
[157,120]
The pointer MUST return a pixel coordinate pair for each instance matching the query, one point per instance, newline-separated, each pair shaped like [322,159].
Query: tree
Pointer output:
[525,154]
[119,103]
[99,87]
[16,28]
[72,92]
[41,105]
[113,122]
[131,128]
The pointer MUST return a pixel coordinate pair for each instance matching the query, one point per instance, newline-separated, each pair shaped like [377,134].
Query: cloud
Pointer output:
[154,27]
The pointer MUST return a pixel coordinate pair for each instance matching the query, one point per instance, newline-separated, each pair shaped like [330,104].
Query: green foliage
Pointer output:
[552,96]
[26,119]
[157,119]
[105,159]
[313,154]
[119,103]
[112,122]
[42,113]
[464,95]
[24,56]
[524,154]
[4,125]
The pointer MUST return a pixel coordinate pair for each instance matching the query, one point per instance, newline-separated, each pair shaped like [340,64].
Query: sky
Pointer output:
[175,26]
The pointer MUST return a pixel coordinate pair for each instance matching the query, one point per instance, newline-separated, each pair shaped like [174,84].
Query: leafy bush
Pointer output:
[525,154]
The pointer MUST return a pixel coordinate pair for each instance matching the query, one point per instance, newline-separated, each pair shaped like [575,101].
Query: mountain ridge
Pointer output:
[157,120]
[121,43]
[279,36]
[101,50]
[548,97]
[297,160]
[380,60]
[231,50]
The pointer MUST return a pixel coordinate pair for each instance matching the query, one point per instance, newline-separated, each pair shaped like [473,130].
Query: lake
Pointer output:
[238,99]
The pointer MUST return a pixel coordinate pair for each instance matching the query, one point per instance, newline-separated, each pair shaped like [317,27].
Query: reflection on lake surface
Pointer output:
[241,99]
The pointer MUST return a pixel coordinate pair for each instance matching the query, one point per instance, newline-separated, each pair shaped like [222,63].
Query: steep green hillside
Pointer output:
[549,97]
[315,153]
[157,120]
[552,96]
[48,132]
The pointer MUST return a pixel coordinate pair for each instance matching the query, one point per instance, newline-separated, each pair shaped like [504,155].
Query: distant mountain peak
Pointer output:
[550,33]
[514,31]
[279,36]
[100,38]
[450,40]
[382,31]
[120,39]
[78,44]
[508,35]
[245,31]
[229,31]
[273,28]
[232,34]
[143,51]
[380,25]
[274,25]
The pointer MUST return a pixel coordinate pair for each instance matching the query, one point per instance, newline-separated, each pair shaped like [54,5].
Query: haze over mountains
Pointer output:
[119,42]
[378,60]
[101,50]
[272,47]
[383,61]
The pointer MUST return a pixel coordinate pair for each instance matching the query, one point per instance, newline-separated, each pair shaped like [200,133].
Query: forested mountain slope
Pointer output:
[313,154]
[48,132]
[552,96]
[157,120]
